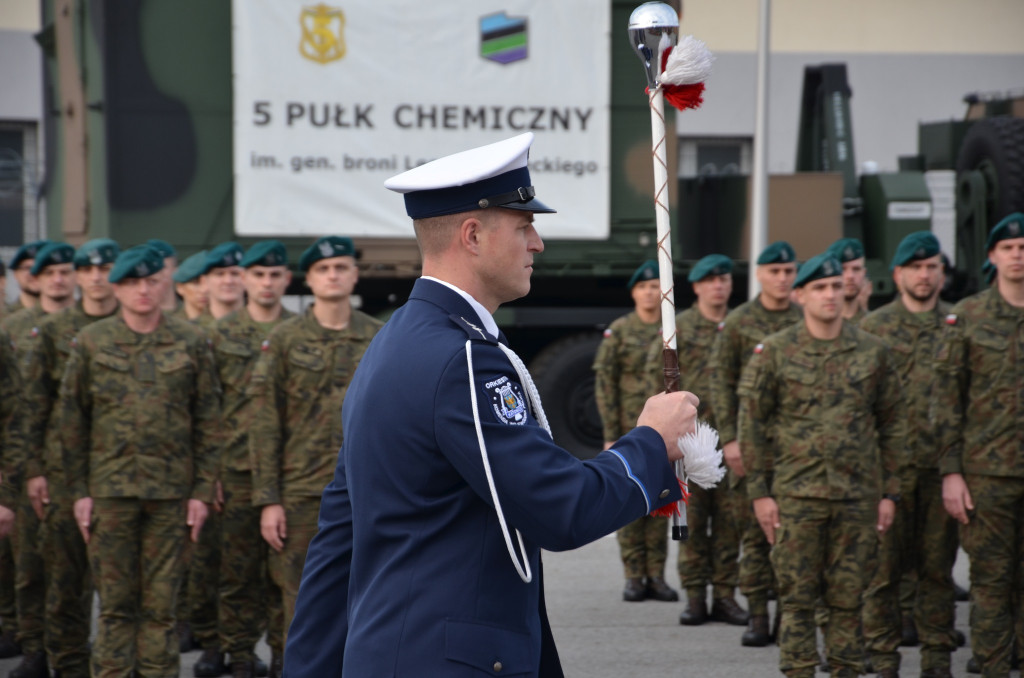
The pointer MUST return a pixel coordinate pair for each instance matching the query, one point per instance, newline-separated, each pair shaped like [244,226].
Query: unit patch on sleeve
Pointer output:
[507,401]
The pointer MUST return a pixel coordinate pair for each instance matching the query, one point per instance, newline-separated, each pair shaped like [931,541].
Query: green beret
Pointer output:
[97,252]
[846,249]
[647,271]
[777,253]
[224,255]
[325,248]
[165,248]
[1010,227]
[28,251]
[52,253]
[825,265]
[916,246]
[191,268]
[140,261]
[712,264]
[266,253]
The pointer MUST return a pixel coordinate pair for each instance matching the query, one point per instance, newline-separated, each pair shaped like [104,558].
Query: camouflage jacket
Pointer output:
[621,378]
[23,326]
[835,412]
[236,341]
[913,340]
[43,368]
[298,387]
[980,388]
[743,329]
[857,318]
[12,443]
[695,338]
[138,413]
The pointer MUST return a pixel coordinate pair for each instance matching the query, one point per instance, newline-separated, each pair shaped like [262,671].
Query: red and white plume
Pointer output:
[685,67]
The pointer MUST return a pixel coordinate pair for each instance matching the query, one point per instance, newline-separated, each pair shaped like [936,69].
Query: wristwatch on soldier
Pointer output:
[894,498]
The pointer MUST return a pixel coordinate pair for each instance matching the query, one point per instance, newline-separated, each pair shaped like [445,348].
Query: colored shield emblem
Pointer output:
[503,38]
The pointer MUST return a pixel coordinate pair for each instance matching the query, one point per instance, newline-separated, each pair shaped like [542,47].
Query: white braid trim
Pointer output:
[523,568]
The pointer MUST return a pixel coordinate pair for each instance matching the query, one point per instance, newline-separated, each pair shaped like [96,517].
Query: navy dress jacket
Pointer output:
[409,574]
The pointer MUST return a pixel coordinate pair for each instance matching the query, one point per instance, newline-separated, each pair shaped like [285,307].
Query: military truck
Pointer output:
[139,145]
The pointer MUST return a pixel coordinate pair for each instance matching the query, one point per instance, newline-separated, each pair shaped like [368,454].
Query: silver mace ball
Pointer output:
[653,28]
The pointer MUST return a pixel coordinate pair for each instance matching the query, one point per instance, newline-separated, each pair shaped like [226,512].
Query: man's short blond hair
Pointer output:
[435,234]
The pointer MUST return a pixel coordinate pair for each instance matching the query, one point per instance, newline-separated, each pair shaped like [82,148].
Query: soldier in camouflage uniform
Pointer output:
[11,439]
[978,415]
[822,401]
[190,287]
[746,326]
[138,415]
[28,297]
[923,537]
[52,269]
[850,254]
[621,389]
[711,554]
[298,388]
[222,277]
[68,611]
[245,602]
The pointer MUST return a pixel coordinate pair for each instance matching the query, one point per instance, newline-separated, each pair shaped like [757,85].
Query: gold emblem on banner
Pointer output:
[323,38]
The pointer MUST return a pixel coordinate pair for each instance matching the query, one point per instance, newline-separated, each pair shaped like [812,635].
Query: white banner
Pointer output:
[331,100]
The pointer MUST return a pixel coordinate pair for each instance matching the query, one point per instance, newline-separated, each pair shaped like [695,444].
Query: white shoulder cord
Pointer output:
[523,568]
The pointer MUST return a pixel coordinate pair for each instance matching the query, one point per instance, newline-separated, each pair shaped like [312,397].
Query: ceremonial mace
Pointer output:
[675,72]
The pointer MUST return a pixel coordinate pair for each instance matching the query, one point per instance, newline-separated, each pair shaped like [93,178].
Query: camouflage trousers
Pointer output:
[29,578]
[8,605]
[249,602]
[820,553]
[202,572]
[994,540]
[135,548]
[922,541]
[68,585]
[756,575]
[643,545]
[712,552]
[285,568]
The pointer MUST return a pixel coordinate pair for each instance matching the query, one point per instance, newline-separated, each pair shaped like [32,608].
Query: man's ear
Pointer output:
[469,234]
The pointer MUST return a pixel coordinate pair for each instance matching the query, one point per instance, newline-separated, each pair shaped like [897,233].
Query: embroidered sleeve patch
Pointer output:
[951,319]
[758,349]
[507,401]
[608,333]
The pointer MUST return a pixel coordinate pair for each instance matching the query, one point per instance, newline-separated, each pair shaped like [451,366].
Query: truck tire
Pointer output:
[997,146]
[565,381]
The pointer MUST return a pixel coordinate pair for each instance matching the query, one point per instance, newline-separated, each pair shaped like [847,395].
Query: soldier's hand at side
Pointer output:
[195,517]
[38,494]
[956,497]
[886,514]
[218,496]
[672,415]
[83,516]
[767,512]
[6,521]
[733,458]
[273,526]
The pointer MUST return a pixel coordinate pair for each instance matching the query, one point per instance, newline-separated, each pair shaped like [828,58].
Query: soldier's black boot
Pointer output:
[9,646]
[973,666]
[961,594]
[659,590]
[909,632]
[888,673]
[276,665]
[937,673]
[259,668]
[635,591]
[756,634]
[776,624]
[211,664]
[729,611]
[243,670]
[33,665]
[696,612]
